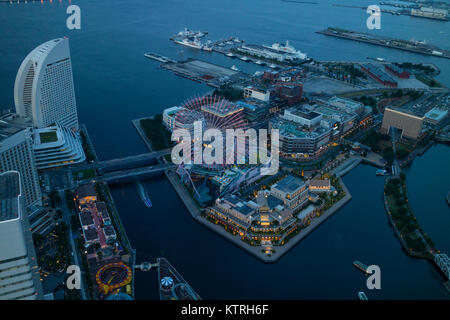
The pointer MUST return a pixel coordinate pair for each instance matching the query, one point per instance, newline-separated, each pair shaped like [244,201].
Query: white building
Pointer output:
[16,153]
[57,146]
[347,105]
[19,274]
[305,118]
[44,90]
[252,92]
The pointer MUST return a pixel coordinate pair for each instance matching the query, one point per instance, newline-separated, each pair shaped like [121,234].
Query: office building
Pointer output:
[19,273]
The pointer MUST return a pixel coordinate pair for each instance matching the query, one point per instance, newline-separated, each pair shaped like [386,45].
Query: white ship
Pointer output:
[244,58]
[234,68]
[230,54]
[259,62]
[287,48]
[190,43]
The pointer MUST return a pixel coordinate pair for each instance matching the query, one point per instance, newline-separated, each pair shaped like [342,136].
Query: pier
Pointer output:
[136,172]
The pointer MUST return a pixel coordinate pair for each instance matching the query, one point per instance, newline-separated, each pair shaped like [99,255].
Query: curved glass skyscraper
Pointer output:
[44,90]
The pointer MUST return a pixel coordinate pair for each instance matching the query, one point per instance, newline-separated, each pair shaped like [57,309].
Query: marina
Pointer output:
[406,45]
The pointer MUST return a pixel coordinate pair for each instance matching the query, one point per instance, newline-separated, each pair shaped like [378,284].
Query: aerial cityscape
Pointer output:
[216,150]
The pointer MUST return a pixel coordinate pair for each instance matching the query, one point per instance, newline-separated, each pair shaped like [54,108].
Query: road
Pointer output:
[75,258]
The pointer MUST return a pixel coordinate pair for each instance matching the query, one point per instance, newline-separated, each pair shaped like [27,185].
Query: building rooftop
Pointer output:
[436,114]
[319,183]
[9,195]
[109,231]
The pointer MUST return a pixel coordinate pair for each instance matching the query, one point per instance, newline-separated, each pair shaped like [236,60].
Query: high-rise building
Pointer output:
[16,153]
[44,90]
[19,273]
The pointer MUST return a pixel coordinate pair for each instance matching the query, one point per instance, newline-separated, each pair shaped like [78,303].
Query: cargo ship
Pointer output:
[361,266]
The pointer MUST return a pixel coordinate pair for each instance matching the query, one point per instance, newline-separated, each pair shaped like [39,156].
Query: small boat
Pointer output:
[362,296]
[259,62]
[244,58]
[273,66]
[234,68]
[381,172]
[230,54]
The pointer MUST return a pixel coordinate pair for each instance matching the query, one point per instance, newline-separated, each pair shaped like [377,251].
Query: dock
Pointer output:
[400,44]
[204,72]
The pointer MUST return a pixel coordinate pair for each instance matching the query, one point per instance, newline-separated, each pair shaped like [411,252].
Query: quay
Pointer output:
[411,46]
[113,211]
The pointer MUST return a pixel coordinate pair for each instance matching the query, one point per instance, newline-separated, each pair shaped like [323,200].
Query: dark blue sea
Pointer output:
[115,83]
